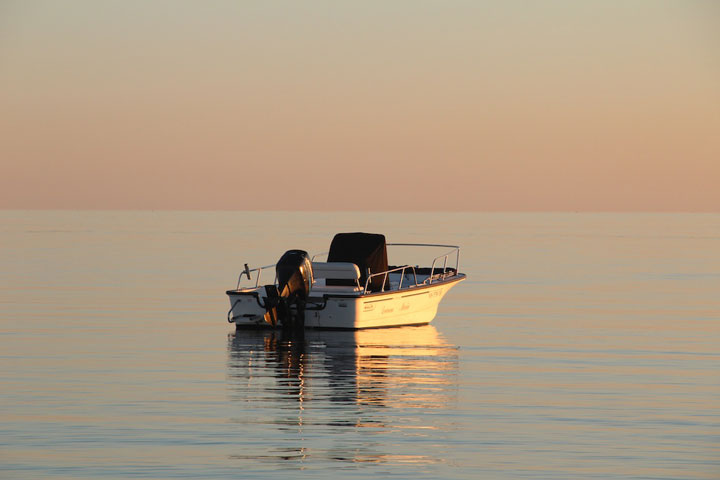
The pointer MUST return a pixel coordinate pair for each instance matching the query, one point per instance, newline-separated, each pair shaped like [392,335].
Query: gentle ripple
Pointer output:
[353,397]
[581,346]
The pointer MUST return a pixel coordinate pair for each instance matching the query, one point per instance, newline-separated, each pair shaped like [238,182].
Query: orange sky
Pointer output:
[373,105]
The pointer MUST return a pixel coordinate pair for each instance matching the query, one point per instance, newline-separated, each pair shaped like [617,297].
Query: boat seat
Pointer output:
[336,271]
[322,271]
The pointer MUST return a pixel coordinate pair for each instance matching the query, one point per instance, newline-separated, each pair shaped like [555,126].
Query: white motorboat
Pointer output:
[354,288]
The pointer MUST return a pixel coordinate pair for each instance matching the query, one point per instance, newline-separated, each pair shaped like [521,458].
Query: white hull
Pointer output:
[415,305]
[338,295]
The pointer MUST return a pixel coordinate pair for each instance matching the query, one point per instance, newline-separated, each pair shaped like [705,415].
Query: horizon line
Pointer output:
[704,212]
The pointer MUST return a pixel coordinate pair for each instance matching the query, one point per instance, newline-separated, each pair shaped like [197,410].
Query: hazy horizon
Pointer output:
[463,106]
[366,211]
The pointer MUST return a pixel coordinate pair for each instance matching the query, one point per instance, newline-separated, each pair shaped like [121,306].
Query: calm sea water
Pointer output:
[581,346]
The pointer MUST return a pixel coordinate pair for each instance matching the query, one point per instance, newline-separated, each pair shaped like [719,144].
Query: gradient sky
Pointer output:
[368,105]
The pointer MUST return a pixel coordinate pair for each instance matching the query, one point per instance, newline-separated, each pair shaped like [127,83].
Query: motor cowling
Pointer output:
[285,304]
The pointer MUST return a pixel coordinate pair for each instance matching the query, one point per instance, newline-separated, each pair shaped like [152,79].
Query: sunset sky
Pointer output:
[367,105]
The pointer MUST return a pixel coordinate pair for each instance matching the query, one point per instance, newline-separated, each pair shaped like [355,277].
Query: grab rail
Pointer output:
[387,272]
[247,273]
[455,250]
[445,260]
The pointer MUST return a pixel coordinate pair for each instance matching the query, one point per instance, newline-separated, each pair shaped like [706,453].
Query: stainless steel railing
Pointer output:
[455,250]
[445,257]
[247,271]
[388,272]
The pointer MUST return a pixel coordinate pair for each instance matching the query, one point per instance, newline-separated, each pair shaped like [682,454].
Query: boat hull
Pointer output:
[417,305]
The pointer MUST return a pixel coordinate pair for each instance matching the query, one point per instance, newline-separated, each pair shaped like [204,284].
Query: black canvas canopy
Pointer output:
[366,250]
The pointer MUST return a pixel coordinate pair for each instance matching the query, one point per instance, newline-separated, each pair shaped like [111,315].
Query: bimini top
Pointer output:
[366,250]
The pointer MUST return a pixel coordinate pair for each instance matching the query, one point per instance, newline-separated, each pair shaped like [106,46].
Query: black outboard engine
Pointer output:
[286,302]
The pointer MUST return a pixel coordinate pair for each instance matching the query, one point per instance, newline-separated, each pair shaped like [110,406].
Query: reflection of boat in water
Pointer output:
[355,288]
[341,396]
[401,367]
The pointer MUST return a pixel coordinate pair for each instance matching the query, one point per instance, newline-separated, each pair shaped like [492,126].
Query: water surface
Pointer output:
[581,346]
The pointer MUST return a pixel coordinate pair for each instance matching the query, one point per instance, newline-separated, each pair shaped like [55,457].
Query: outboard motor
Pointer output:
[286,302]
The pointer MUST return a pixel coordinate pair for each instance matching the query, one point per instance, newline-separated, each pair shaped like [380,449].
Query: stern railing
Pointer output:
[247,271]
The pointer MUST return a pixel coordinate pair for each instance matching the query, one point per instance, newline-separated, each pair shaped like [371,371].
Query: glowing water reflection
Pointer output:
[354,391]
